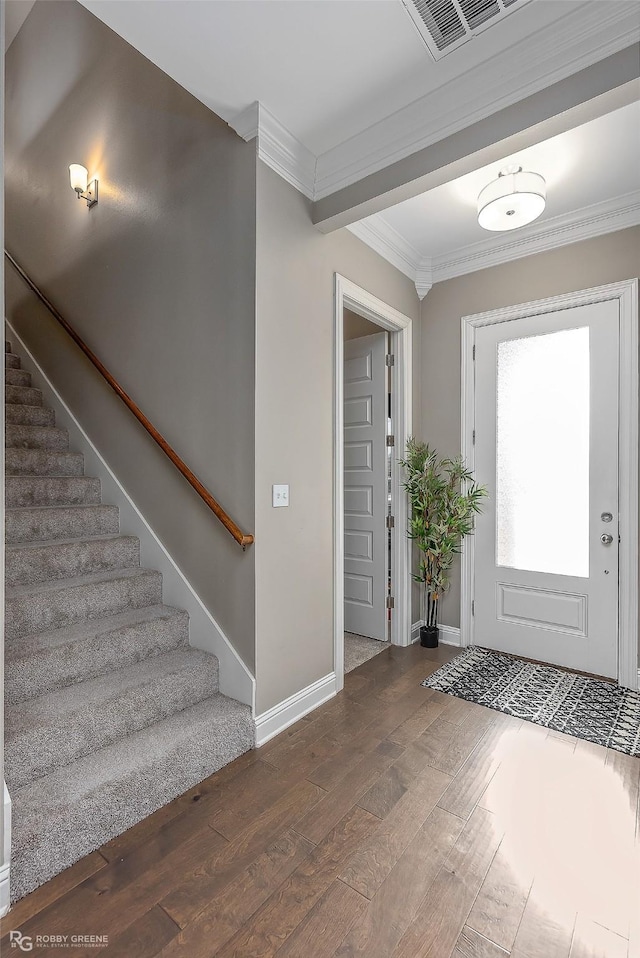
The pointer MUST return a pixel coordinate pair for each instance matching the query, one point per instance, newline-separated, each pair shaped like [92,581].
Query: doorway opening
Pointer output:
[372,421]
[550,426]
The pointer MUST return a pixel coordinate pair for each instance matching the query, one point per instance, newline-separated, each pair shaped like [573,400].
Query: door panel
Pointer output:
[546,586]
[365,506]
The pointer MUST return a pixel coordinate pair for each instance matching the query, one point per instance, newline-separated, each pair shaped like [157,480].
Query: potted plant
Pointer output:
[443,500]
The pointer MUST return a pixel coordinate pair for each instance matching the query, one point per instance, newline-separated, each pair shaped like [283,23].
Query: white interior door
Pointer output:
[365,500]
[546,446]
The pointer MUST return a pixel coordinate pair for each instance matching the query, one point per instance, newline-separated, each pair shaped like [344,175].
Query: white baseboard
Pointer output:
[448,634]
[5,866]
[236,680]
[285,713]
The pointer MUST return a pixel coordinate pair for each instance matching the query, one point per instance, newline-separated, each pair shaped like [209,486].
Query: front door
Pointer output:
[546,446]
[365,481]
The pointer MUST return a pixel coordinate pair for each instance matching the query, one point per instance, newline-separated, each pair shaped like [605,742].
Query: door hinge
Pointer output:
[391,440]
[474,354]
[391,602]
[391,521]
[390,359]
[473,607]
[473,437]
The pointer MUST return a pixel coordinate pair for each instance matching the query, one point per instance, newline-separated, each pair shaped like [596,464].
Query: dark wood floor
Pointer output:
[394,822]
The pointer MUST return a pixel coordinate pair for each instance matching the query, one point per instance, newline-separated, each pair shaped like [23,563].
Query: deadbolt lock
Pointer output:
[607,517]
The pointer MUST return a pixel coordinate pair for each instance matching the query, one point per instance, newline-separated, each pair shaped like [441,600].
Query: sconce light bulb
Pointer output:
[78,176]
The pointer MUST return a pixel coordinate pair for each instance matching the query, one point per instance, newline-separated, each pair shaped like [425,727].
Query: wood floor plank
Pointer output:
[471,781]
[461,745]
[121,892]
[194,889]
[144,938]
[429,747]
[372,863]
[591,940]
[49,893]
[472,945]
[281,914]
[335,804]
[195,805]
[333,769]
[330,919]
[227,912]
[457,711]
[417,723]
[546,929]
[498,909]
[446,906]
[386,791]
[377,932]
[404,796]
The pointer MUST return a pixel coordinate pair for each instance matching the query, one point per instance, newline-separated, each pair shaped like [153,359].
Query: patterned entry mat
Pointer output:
[588,708]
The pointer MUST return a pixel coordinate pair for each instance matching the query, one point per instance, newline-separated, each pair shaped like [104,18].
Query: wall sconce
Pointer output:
[78,176]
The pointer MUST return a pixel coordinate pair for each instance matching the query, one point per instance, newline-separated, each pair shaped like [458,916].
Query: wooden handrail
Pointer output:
[242,538]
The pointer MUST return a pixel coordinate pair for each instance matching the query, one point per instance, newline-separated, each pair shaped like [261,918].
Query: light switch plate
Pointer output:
[280,496]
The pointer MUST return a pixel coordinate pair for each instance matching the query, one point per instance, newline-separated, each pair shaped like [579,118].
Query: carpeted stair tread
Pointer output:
[58,522]
[58,819]
[20,415]
[16,377]
[22,492]
[43,462]
[110,712]
[36,437]
[45,661]
[58,728]
[54,604]
[68,558]
[23,394]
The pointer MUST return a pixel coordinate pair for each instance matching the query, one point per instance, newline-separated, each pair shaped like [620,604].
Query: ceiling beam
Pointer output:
[598,89]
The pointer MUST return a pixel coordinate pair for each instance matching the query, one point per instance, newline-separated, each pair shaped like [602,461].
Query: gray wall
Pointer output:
[356,326]
[294,429]
[159,279]
[595,262]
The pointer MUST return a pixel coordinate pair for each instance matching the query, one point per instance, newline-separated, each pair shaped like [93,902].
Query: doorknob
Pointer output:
[606,539]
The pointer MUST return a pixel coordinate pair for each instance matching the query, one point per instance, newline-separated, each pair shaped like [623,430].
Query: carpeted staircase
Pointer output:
[109,712]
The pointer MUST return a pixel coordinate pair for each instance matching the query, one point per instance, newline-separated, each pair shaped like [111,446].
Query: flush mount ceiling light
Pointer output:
[78,178]
[513,200]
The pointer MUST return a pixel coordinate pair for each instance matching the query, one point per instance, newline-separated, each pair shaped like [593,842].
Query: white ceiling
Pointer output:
[325,68]
[346,87]
[588,165]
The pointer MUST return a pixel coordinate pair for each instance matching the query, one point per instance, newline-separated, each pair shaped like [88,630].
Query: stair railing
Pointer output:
[242,538]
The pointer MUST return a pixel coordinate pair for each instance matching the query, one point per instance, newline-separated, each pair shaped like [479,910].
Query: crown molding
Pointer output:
[556,52]
[277,147]
[380,236]
[609,216]
[590,33]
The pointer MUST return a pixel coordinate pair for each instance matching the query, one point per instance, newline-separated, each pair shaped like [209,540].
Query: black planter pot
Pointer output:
[429,636]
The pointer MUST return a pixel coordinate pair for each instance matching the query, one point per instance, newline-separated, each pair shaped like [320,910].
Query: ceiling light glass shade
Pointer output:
[513,200]
[78,177]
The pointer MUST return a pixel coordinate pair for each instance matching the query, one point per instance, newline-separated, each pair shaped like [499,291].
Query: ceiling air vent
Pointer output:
[445,25]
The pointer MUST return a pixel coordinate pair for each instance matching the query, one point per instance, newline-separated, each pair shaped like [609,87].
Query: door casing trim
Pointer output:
[348,294]
[626,293]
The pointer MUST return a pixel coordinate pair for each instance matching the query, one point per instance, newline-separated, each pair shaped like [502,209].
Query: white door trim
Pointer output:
[626,292]
[358,299]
